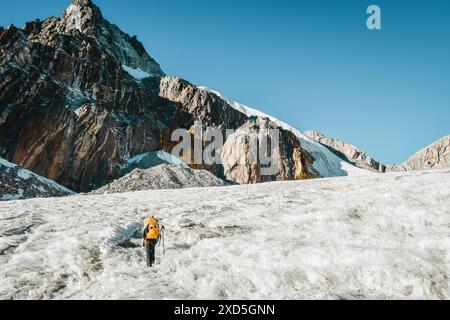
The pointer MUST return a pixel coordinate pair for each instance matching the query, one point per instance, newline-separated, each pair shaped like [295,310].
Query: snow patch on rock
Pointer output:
[138,73]
[7,164]
[151,159]
[74,15]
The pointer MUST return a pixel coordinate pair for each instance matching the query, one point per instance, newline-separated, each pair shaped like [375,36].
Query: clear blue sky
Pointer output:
[312,63]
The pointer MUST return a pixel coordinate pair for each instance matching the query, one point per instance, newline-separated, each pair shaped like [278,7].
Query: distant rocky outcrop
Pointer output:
[291,160]
[347,152]
[436,155]
[164,176]
[17,183]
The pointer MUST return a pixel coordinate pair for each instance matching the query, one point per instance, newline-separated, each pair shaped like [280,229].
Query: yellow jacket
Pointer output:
[151,230]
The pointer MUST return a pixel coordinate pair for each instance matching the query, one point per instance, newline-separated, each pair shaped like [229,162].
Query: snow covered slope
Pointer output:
[326,163]
[17,183]
[377,236]
[152,159]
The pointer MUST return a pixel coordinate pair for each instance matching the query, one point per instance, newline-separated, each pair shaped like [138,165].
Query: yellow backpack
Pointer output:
[152,229]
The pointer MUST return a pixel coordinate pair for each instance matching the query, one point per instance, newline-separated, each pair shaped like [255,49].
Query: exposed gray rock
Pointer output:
[436,155]
[17,183]
[207,107]
[292,161]
[347,152]
[164,176]
[186,223]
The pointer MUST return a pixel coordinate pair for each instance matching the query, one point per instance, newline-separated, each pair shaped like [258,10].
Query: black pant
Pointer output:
[150,250]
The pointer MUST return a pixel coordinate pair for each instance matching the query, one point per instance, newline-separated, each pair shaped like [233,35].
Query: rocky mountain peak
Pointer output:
[85,17]
[83,3]
[82,15]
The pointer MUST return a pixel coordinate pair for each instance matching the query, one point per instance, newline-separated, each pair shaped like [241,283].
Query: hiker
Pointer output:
[152,236]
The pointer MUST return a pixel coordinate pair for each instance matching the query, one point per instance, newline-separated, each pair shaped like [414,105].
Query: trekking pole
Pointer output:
[164,249]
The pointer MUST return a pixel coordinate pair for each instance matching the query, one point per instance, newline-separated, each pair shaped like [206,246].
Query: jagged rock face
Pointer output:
[347,152]
[291,161]
[71,110]
[17,183]
[206,107]
[436,155]
[84,16]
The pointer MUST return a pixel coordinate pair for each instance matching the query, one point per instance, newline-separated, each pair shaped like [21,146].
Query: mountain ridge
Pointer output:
[348,152]
[80,97]
[435,155]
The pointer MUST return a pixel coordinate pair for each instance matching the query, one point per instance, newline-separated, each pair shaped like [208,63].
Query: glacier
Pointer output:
[361,237]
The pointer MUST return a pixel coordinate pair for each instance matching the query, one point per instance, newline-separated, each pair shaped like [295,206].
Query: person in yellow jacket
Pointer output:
[151,235]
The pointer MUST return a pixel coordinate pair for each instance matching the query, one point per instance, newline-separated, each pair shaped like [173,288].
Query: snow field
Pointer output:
[378,236]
